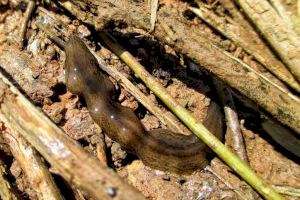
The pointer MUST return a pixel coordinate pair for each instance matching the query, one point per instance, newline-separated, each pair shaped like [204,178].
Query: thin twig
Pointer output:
[197,128]
[232,121]
[40,179]
[153,11]
[77,194]
[234,136]
[167,29]
[101,148]
[27,15]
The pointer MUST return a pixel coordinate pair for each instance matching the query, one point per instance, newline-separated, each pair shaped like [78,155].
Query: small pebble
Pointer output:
[111,191]
[34,47]
[166,177]
[83,31]
[50,52]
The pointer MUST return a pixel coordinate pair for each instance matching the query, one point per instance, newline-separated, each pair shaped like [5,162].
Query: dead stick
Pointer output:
[40,179]
[27,15]
[232,121]
[234,135]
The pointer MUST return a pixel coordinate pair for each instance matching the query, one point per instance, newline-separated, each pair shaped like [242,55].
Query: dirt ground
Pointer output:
[38,71]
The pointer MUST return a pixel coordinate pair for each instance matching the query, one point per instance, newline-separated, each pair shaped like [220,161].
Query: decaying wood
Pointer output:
[281,11]
[234,12]
[19,66]
[283,39]
[37,174]
[200,49]
[250,42]
[65,155]
[5,189]
[283,136]
[289,16]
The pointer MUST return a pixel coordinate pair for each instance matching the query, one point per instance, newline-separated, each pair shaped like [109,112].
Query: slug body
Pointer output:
[160,149]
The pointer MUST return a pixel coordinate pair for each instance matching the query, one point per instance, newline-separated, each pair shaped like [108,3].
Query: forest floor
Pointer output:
[38,69]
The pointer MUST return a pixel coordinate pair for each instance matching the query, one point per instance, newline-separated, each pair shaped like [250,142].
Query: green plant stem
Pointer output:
[197,128]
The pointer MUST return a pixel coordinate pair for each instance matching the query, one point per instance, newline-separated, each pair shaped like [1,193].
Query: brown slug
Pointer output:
[159,149]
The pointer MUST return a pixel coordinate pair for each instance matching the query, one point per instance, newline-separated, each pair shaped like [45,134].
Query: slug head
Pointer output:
[80,65]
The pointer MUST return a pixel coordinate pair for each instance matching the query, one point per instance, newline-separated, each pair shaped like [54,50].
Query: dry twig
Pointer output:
[153,11]
[27,15]
[40,179]
[232,121]
[234,135]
